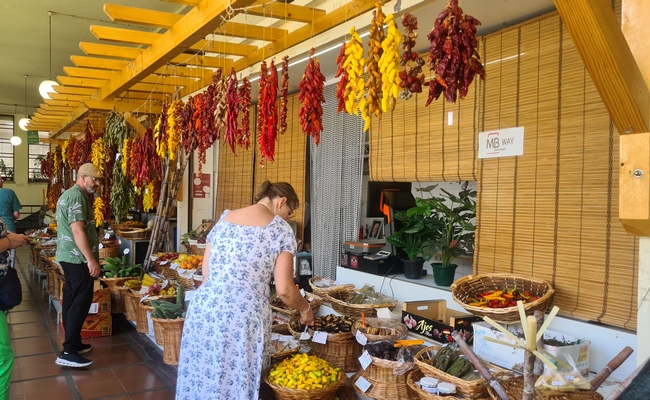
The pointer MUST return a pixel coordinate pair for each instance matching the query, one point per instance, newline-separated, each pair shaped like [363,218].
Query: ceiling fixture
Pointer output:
[23,121]
[47,86]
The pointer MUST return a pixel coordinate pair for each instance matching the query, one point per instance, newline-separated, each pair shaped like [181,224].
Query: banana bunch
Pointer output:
[354,64]
[147,199]
[373,84]
[148,280]
[388,61]
[99,211]
[98,154]
[170,291]
[133,283]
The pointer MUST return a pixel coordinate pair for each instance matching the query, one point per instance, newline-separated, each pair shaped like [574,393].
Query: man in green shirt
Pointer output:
[77,251]
[9,207]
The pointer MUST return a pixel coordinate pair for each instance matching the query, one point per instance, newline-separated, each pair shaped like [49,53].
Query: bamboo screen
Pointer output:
[551,213]
[235,178]
[290,163]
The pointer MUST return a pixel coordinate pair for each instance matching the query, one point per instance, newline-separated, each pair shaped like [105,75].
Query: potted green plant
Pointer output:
[417,229]
[455,215]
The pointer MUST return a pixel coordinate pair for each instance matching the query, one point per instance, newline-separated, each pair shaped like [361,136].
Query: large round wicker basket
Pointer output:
[286,393]
[380,390]
[415,376]
[172,334]
[345,392]
[386,329]
[315,302]
[513,385]
[341,350]
[118,302]
[469,286]
[339,303]
[131,302]
[322,286]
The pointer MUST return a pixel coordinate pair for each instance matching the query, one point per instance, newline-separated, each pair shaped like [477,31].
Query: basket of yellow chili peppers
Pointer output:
[496,295]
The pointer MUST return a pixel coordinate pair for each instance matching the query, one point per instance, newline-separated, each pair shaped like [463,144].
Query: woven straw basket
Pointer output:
[158,331]
[327,286]
[108,252]
[513,385]
[134,233]
[338,301]
[469,286]
[131,302]
[341,350]
[141,320]
[172,334]
[285,393]
[380,390]
[118,302]
[396,331]
[315,303]
[345,392]
[415,376]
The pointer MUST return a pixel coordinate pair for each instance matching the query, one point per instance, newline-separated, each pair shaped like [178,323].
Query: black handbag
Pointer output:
[11,293]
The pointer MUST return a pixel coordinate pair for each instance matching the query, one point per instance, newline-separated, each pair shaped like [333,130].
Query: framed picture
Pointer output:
[376,229]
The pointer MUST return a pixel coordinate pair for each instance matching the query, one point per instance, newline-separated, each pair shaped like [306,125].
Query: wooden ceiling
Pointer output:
[135,71]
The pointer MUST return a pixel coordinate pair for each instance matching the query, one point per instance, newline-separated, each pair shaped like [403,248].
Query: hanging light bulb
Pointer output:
[47,86]
[23,121]
[16,140]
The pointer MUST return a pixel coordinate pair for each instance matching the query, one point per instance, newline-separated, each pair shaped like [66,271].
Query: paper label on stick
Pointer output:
[362,384]
[383,313]
[302,292]
[365,360]
[361,338]
[319,337]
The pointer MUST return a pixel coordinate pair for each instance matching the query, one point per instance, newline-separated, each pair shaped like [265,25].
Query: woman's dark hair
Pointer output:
[278,189]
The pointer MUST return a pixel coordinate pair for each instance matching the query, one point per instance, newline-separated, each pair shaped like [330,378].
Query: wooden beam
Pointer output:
[48,107]
[43,117]
[69,97]
[192,3]
[81,82]
[123,106]
[177,70]
[203,61]
[50,112]
[74,116]
[249,31]
[100,63]
[168,80]
[286,11]
[133,121]
[88,73]
[221,47]
[63,103]
[74,90]
[611,65]
[128,95]
[634,193]
[108,50]
[152,88]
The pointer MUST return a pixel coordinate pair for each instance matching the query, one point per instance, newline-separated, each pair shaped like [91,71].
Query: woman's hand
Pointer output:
[307,318]
[16,239]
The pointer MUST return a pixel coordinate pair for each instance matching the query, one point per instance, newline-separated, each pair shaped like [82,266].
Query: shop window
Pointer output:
[37,152]
[6,149]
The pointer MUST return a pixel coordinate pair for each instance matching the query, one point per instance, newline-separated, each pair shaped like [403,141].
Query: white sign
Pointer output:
[362,384]
[319,337]
[501,143]
[94,308]
[383,313]
[365,360]
[361,338]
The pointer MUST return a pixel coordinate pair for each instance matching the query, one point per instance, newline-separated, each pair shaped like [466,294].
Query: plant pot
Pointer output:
[413,269]
[443,275]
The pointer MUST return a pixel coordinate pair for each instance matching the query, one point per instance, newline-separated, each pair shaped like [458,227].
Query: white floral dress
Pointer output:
[227,330]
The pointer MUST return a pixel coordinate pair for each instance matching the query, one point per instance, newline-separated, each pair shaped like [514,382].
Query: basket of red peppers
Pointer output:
[496,295]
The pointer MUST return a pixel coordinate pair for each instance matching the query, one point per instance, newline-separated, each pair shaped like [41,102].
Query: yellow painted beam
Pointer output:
[69,97]
[56,108]
[634,181]
[78,113]
[76,72]
[74,90]
[152,88]
[249,31]
[100,63]
[128,95]
[192,3]
[123,106]
[81,82]
[203,61]
[43,117]
[611,65]
[218,46]
[168,80]
[108,50]
[63,103]
[133,121]
[286,11]
[177,70]
[50,112]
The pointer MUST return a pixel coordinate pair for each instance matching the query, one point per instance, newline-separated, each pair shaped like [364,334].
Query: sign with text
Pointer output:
[32,137]
[501,143]
[201,186]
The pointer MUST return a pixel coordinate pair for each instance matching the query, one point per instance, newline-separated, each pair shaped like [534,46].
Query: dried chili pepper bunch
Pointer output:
[354,63]
[311,97]
[244,105]
[284,93]
[204,118]
[452,55]
[47,165]
[267,114]
[388,62]
[146,161]
[373,83]
[188,129]
[160,132]
[343,82]
[232,101]
[219,97]
[412,76]
[98,154]
[174,126]
[84,156]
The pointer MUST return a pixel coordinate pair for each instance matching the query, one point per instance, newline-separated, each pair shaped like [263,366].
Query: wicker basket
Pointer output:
[281,329]
[339,304]
[341,350]
[285,393]
[118,302]
[472,389]
[141,320]
[172,333]
[131,302]
[315,303]
[397,329]
[329,287]
[415,376]
[381,370]
[158,331]
[380,390]
[468,286]
[168,273]
[134,233]
[196,249]
[108,252]
[186,283]
[513,385]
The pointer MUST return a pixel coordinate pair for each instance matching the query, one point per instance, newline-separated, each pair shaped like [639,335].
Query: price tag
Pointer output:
[189,295]
[319,337]
[127,251]
[101,246]
[107,235]
[275,336]
[361,338]
[145,297]
[302,292]
[383,313]
[174,266]
[304,350]
[94,308]
[164,262]
[362,384]
[557,383]
[117,156]
[365,359]
[569,378]
[119,241]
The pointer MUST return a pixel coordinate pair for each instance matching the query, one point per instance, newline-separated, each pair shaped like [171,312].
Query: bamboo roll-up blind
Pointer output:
[290,163]
[235,174]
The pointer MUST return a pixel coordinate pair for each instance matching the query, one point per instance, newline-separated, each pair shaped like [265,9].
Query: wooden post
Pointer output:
[610,367]
[529,359]
[538,370]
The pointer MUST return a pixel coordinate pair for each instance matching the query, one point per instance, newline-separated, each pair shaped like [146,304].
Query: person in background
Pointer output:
[227,329]
[9,207]
[8,241]
[77,251]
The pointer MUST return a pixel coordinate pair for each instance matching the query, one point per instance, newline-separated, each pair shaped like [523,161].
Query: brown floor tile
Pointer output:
[18,397]
[33,341]
[15,374]
[42,348]
[85,378]
[40,371]
[132,371]
[163,394]
[33,329]
[21,317]
[119,398]
[52,395]
[106,341]
[101,389]
[26,305]
[32,361]
[136,384]
[124,356]
[45,385]
[16,389]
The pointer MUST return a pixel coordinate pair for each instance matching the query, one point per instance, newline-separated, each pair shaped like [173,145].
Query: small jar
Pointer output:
[446,389]
[429,384]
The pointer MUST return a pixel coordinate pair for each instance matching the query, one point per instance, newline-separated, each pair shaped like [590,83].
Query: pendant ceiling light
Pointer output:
[47,86]
[23,121]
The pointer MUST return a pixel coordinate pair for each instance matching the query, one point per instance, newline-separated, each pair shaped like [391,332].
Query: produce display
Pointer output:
[451,360]
[311,97]
[284,92]
[388,62]
[168,310]
[453,55]
[341,72]
[304,372]
[267,111]
[117,267]
[232,101]
[374,81]
[368,295]
[330,324]
[244,105]
[501,298]
[412,76]
[386,350]
[158,287]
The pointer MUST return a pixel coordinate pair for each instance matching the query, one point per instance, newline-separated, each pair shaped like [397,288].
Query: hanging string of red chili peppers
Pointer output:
[233,135]
[412,76]
[311,97]
[284,91]
[267,112]
[244,105]
[453,54]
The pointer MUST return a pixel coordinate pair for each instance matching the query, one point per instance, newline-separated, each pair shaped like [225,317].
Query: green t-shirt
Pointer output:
[73,206]
[8,204]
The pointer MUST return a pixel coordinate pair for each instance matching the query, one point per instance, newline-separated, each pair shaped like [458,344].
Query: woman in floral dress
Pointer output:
[225,345]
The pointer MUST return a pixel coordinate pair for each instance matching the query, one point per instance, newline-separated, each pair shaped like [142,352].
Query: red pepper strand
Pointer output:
[311,97]
[244,139]
[232,129]
[272,112]
[340,87]
[284,95]
[262,114]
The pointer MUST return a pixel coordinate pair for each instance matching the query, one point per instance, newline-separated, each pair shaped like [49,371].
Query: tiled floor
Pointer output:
[126,365]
